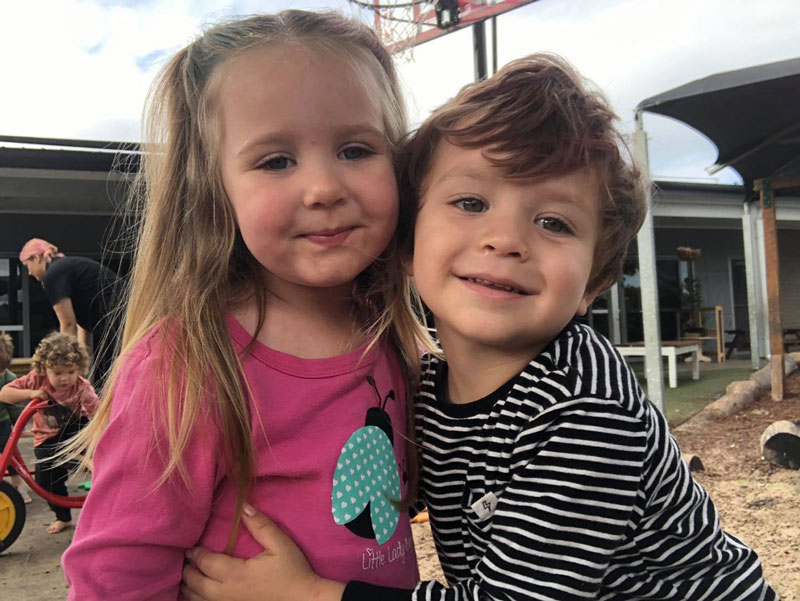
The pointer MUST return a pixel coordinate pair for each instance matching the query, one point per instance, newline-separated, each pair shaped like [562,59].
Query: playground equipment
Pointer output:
[12,507]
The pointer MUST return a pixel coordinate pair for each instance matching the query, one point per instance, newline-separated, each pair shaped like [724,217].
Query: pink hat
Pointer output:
[37,246]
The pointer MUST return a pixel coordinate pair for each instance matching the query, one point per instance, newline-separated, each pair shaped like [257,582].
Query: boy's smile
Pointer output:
[503,263]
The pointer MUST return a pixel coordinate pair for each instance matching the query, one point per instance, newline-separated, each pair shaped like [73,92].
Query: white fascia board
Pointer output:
[68,174]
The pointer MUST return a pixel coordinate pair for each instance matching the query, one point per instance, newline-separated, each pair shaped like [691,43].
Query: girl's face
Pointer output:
[307,167]
[62,377]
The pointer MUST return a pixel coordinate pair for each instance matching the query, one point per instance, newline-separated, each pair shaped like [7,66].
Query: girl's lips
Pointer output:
[329,238]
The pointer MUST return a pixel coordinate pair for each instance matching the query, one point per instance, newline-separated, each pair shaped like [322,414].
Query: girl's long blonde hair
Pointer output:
[190,263]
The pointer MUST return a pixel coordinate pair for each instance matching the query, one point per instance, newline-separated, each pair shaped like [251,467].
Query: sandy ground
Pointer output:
[30,570]
[757,502]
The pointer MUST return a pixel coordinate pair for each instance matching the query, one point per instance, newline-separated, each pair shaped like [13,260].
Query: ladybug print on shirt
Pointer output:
[366,482]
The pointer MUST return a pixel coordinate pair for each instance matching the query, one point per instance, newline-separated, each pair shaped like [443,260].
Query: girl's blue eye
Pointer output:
[277,163]
[553,224]
[354,153]
[471,205]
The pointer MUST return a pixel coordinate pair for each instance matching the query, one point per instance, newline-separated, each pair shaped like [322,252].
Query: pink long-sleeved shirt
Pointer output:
[132,534]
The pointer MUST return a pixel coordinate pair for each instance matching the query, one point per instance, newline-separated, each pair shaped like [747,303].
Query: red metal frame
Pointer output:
[12,456]
[471,12]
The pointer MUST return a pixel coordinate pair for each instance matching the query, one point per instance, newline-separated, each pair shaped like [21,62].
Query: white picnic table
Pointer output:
[669,349]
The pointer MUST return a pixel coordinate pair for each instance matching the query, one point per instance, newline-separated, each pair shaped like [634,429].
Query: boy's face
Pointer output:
[62,377]
[503,263]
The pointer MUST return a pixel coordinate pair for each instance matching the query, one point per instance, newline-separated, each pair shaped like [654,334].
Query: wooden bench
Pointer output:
[715,334]
[21,365]
[791,339]
[669,349]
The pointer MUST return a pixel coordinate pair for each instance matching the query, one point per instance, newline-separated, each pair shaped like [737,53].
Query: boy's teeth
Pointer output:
[489,284]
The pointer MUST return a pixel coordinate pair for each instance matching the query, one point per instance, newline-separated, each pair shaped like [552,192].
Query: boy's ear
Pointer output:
[587,300]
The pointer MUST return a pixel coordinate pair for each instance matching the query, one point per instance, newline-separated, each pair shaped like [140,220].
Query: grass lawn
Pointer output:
[691,396]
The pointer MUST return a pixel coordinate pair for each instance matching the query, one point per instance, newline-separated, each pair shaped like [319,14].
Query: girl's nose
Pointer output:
[324,187]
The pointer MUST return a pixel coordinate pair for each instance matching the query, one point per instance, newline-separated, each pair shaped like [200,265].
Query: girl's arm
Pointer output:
[133,531]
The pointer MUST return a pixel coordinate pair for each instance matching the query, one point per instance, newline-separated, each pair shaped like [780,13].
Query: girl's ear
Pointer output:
[408,266]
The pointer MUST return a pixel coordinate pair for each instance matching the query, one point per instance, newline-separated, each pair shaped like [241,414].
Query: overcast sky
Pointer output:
[81,68]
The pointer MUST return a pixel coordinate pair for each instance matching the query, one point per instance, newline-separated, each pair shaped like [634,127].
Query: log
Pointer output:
[780,444]
[421,517]
[693,461]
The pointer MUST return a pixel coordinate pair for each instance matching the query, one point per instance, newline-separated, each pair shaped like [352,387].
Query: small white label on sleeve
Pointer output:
[485,506]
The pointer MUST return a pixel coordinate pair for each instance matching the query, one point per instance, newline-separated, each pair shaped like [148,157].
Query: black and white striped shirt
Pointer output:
[565,484]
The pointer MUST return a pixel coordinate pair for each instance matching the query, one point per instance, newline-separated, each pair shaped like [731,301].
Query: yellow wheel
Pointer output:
[12,514]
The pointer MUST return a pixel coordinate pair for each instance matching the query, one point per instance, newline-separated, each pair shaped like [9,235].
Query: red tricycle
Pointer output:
[12,506]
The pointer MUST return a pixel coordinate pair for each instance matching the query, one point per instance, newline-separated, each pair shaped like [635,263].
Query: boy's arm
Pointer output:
[12,395]
[554,489]
[280,573]
[576,474]
[89,400]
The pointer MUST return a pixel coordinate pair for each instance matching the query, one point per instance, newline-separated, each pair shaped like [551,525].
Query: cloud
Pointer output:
[145,63]
[631,49]
[86,68]
[87,64]
[96,48]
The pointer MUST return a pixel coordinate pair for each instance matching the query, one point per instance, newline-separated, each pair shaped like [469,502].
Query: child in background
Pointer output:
[547,473]
[59,363]
[269,337]
[9,413]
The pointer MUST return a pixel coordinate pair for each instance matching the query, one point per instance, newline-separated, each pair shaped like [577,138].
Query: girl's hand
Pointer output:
[280,573]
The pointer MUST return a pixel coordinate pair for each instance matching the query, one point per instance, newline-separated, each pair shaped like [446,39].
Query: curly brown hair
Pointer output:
[538,118]
[60,349]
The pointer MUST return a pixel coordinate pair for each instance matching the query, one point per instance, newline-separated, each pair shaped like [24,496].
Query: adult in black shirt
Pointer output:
[81,291]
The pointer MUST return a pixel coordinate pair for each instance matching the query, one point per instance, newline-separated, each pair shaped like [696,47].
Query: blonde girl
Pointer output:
[268,336]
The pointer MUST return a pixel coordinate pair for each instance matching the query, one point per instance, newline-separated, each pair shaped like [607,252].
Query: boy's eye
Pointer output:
[471,205]
[276,163]
[354,153]
[553,224]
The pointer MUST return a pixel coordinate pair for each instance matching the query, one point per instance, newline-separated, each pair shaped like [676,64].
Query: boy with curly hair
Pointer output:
[59,365]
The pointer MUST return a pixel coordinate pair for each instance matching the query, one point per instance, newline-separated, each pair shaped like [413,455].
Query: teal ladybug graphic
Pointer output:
[366,480]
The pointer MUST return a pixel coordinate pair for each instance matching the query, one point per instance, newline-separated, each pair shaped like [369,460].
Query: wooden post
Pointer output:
[773,289]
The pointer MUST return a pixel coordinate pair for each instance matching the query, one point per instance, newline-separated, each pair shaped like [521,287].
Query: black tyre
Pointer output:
[12,514]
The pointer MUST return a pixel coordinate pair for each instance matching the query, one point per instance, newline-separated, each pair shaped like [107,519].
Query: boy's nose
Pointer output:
[506,238]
